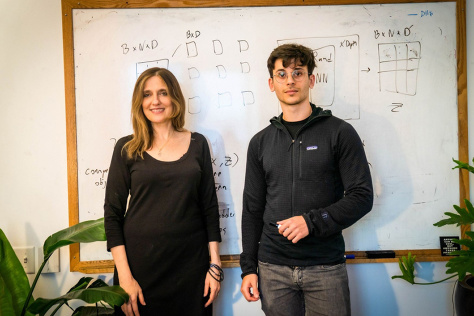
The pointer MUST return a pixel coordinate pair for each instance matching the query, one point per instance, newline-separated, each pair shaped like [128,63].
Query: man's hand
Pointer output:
[293,228]
[249,287]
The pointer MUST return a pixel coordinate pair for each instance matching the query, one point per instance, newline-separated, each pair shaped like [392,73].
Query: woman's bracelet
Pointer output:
[219,275]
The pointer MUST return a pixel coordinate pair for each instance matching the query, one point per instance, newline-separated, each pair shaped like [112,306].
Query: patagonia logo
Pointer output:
[312,147]
[325,215]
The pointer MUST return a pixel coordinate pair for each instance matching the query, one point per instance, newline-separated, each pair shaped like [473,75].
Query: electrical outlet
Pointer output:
[52,266]
[26,255]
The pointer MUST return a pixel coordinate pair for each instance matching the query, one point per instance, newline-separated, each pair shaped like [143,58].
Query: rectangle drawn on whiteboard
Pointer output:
[398,64]
[337,65]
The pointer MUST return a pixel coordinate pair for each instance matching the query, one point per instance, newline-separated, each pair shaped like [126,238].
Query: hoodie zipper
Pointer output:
[293,152]
[293,167]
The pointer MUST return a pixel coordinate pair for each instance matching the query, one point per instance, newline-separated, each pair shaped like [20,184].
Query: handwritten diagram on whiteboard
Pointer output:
[378,67]
[398,67]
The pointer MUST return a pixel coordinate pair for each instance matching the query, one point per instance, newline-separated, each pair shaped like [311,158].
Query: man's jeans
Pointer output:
[304,291]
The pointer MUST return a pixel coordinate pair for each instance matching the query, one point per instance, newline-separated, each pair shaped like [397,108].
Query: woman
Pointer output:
[161,241]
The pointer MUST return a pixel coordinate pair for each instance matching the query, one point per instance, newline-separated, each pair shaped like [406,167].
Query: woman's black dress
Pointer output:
[171,218]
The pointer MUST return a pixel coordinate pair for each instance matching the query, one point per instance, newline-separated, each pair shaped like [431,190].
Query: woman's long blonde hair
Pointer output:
[142,139]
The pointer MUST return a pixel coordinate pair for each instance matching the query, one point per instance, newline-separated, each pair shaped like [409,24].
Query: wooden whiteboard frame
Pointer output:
[106,266]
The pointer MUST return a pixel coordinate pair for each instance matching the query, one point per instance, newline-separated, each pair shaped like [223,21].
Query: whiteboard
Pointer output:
[388,69]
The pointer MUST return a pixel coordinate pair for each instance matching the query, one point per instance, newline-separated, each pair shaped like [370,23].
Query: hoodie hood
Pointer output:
[316,114]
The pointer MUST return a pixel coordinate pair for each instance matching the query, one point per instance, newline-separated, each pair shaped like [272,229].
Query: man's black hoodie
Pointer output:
[321,174]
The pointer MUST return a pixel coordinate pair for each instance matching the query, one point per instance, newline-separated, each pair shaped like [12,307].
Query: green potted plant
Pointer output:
[16,293]
[462,263]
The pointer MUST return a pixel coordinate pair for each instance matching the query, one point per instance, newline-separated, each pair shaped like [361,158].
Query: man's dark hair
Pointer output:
[289,53]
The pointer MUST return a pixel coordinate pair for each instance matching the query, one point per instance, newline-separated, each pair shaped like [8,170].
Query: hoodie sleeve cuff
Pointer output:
[308,219]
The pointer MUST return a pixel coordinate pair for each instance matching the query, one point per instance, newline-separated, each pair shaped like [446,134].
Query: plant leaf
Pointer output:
[6,305]
[464,216]
[88,231]
[461,265]
[83,283]
[463,165]
[112,295]
[87,282]
[407,266]
[15,282]
[92,311]
[465,242]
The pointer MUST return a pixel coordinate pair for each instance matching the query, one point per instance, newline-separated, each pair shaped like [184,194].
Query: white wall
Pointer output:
[33,178]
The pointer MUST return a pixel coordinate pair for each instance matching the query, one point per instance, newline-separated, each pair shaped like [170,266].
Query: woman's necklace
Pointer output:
[166,142]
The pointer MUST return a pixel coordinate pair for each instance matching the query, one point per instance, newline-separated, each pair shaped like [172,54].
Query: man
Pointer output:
[307,179]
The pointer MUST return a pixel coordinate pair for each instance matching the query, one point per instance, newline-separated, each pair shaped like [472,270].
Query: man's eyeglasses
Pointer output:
[281,75]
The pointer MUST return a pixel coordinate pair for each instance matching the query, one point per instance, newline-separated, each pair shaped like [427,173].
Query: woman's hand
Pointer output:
[127,282]
[135,294]
[211,287]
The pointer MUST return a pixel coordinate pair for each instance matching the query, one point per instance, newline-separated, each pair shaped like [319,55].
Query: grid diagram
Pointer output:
[398,67]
